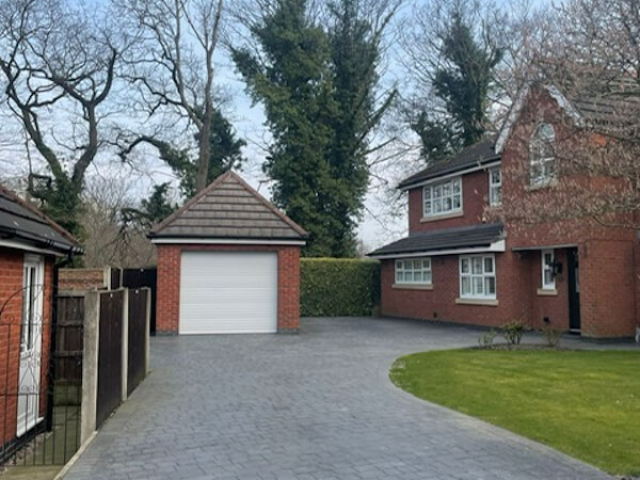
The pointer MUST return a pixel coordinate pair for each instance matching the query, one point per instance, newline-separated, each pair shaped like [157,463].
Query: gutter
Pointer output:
[39,242]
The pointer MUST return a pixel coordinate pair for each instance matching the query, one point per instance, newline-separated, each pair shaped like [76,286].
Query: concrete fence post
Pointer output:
[91,333]
[125,343]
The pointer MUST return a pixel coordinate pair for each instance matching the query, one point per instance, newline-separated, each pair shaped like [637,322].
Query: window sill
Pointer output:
[442,216]
[416,286]
[547,292]
[477,301]
[541,186]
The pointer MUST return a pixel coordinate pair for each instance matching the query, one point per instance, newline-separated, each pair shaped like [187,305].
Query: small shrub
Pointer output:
[552,335]
[486,340]
[513,332]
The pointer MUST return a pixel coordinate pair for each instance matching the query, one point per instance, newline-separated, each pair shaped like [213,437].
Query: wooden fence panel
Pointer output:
[136,356]
[67,352]
[109,354]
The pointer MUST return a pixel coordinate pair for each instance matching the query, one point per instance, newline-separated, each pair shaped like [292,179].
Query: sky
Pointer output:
[383,220]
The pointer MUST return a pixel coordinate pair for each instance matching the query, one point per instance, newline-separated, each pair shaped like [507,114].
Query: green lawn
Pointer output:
[583,403]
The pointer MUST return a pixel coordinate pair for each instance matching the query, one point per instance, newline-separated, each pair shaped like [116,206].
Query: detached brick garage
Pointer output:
[228,262]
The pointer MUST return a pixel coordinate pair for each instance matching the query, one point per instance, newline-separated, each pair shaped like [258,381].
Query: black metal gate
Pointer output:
[109,354]
[40,388]
[140,278]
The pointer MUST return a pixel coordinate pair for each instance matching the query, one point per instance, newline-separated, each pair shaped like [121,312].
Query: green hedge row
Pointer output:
[336,287]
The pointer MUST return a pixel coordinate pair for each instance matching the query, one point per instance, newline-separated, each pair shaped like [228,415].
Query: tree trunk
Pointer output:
[204,150]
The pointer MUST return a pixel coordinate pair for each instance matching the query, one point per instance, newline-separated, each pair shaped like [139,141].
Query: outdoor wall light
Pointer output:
[557,267]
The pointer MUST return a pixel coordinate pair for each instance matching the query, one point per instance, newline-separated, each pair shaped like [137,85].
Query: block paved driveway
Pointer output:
[312,406]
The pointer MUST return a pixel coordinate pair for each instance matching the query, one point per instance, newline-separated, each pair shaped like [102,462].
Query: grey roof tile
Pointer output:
[23,223]
[444,239]
[229,209]
[476,154]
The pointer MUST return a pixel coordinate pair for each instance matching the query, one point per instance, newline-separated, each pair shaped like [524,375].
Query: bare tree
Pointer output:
[109,241]
[591,60]
[173,65]
[58,64]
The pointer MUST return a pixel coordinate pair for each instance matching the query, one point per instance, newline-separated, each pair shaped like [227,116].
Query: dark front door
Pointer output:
[574,289]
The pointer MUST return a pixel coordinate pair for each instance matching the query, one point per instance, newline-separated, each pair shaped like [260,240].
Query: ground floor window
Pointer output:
[548,274]
[413,271]
[478,277]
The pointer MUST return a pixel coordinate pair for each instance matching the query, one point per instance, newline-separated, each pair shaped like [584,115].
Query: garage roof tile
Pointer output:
[229,208]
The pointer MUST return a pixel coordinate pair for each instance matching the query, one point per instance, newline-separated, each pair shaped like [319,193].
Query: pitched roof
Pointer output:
[23,223]
[228,208]
[444,239]
[608,111]
[477,154]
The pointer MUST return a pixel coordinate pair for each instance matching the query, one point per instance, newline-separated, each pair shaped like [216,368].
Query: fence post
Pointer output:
[90,365]
[125,342]
[147,332]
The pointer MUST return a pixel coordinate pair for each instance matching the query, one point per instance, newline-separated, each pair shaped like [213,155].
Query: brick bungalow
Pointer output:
[455,265]
[29,245]
[228,262]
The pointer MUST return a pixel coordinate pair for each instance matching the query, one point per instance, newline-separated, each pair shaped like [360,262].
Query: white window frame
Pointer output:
[32,302]
[429,198]
[495,186]
[548,268]
[538,161]
[407,266]
[483,275]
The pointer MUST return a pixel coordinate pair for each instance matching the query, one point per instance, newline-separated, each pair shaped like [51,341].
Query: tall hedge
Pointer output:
[335,287]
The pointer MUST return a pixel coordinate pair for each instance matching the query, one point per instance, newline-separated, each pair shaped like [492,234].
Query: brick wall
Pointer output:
[82,278]
[11,278]
[475,196]
[440,303]
[609,257]
[168,303]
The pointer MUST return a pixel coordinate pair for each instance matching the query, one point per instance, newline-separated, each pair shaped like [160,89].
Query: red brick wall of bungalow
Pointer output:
[608,258]
[11,278]
[29,243]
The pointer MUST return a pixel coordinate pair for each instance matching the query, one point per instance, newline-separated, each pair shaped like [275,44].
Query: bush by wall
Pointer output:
[334,287]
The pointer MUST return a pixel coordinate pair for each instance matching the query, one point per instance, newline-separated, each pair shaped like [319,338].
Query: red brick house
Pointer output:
[455,265]
[228,262]
[29,245]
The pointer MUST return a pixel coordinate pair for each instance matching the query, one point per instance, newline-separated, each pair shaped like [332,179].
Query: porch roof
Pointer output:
[444,241]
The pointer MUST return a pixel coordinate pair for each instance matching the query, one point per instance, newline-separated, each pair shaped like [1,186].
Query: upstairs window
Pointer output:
[442,197]
[413,271]
[542,157]
[495,187]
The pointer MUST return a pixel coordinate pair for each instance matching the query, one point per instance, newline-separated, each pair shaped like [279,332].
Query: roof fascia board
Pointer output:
[222,241]
[446,176]
[495,247]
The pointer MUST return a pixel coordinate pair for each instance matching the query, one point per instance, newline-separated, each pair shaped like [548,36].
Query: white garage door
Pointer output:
[228,292]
